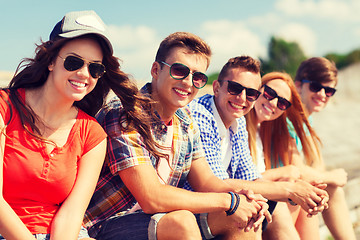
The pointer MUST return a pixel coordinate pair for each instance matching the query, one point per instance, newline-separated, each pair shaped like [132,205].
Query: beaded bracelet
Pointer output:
[233,208]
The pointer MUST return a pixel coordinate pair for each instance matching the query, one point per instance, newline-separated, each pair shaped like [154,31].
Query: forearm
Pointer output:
[66,225]
[11,227]
[276,191]
[168,198]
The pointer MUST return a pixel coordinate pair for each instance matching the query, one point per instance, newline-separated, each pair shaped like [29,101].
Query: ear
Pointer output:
[51,67]
[155,70]
[216,87]
[298,85]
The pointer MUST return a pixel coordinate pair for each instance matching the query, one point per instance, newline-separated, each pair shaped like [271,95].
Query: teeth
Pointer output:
[318,101]
[236,105]
[78,84]
[268,109]
[181,92]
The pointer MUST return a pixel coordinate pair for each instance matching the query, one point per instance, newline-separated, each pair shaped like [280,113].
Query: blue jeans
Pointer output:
[83,234]
[137,226]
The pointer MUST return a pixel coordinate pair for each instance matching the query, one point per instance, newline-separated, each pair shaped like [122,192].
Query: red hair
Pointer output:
[275,135]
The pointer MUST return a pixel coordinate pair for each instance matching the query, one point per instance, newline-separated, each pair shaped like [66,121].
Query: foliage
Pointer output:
[344,60]
[212,78]
[283,56]
[287,56]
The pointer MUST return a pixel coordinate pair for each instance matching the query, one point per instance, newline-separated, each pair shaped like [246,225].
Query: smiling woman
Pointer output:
[52,148]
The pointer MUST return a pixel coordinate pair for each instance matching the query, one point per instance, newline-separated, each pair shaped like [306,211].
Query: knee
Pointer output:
[180,223]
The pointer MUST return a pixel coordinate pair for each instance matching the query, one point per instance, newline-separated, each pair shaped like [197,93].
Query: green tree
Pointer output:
[283,56]
[344,60]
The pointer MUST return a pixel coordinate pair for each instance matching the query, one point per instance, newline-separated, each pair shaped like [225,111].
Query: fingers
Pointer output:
[251,196]
[250,225]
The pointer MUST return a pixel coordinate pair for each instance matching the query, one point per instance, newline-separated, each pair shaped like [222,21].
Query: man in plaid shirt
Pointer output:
[141,197]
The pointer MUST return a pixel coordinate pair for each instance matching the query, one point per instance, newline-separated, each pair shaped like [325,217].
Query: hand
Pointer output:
[263,213]
[247,210]
[252,196]
[256,223]
[337,177]
[311,197]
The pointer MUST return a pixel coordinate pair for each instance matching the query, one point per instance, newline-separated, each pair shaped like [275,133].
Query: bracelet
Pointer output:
[233,209]
[292,202]
[232,202]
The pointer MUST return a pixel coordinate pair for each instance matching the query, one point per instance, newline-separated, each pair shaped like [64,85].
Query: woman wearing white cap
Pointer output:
[52,149]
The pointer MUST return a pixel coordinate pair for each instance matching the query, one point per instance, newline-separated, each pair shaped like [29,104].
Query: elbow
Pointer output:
[151,207]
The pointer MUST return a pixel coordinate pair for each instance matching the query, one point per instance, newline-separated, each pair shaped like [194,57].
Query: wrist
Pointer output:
[235,201]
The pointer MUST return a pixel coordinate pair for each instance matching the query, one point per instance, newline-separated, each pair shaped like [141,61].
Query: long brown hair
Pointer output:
[33,73]
[275,134]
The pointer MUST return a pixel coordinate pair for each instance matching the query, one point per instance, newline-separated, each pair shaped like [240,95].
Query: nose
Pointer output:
[322,92]
[84,71]
[188,80]
[273,102]
[242,95]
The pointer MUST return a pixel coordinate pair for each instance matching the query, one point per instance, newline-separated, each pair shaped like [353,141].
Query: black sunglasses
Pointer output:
[316,87]
[270,94]
[235,88]
[180,71]
[73,63]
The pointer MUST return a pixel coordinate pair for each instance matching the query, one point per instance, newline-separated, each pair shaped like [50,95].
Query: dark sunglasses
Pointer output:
[180,71]
[316,87]
[235,88]
[73,63]
[270,94]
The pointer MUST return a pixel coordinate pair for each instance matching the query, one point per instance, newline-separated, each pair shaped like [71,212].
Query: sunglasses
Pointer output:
[270,94]
[235,88]
[73,63]
[180,71]
[316,87]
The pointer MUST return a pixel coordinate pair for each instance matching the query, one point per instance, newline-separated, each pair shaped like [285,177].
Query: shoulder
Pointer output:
[202,103]
[110,112]
[201,110]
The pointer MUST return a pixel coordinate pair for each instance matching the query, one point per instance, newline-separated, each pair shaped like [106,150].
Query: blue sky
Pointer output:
[231,27]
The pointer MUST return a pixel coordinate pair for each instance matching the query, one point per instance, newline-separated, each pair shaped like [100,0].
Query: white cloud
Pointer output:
[301,34]
[338,10]
[136,46]
[229,39]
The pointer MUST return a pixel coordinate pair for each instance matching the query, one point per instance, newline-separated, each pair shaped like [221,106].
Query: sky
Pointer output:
[231,27]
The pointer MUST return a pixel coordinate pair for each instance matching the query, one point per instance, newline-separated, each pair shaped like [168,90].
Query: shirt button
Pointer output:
[45,171]
[47,164]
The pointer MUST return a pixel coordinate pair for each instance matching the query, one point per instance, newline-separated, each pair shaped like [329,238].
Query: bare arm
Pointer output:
[337,177]
[153,197]
[11,227]
[68,220]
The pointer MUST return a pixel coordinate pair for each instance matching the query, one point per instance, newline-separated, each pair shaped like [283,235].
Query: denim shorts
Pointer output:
[83,234]
[138,225]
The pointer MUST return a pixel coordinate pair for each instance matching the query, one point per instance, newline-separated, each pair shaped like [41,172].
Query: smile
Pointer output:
[78,84]
[237,106]
[181,92]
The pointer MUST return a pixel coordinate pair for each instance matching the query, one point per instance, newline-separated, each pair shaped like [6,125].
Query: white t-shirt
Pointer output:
[226,148]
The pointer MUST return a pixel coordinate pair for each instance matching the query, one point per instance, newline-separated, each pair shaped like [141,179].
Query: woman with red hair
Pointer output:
[278,107]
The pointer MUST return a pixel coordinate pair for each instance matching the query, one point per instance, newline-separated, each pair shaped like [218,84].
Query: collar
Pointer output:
[220,123]
[182,113]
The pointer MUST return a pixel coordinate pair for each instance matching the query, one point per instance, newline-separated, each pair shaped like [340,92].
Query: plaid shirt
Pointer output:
[241,165]
[127,150]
